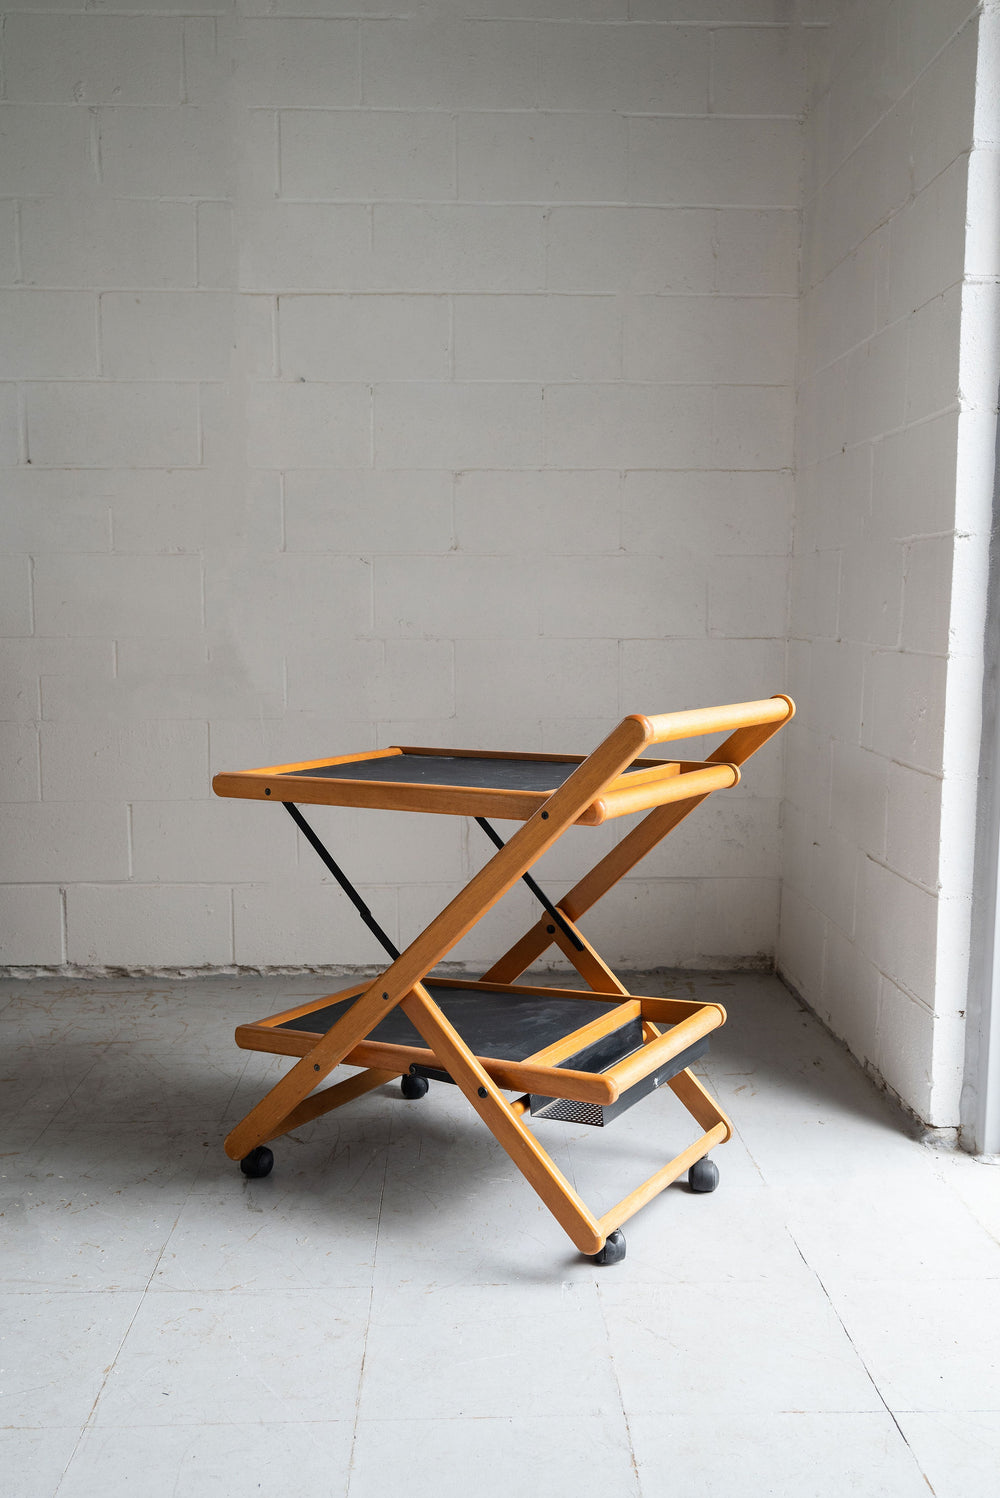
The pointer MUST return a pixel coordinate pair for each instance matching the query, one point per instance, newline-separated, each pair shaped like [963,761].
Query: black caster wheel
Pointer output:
[413,1087]
[258,1163]
[703,1175]
[613,1251]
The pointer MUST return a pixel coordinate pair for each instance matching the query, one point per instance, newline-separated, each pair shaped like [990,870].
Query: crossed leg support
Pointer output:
[293,1101]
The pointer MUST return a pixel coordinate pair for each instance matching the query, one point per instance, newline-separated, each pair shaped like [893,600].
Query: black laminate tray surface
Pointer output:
[508,1027]
[439,769]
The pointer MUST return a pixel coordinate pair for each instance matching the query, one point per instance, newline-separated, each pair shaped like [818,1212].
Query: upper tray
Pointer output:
[456,782]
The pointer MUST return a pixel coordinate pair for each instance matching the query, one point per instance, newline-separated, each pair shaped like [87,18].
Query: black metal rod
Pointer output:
[341,879]
[538,893]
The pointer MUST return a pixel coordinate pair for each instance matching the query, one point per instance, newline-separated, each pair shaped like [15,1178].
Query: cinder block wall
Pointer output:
[374,377]
[893,512]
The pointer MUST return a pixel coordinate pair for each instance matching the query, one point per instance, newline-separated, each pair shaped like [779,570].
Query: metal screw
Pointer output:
[483,1092]
[316,1067]
[385,996]
[267,790]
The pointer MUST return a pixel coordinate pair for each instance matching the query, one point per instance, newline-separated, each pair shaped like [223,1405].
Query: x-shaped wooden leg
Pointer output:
[289,1102]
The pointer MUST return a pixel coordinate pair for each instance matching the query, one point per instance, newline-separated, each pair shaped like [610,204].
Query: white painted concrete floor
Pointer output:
[393,1311]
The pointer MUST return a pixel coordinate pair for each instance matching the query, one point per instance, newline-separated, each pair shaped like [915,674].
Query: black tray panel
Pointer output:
[508,1027]
[598,1056]
[438,769]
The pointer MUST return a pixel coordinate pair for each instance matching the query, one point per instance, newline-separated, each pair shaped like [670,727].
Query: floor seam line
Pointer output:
[868,1373]
[88,1422]
[368,1322]
[621,1396]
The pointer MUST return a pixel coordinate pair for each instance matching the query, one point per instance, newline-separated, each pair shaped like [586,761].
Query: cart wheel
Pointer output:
[258,1163]
[413,1087]
[703,1175]
[613,1251]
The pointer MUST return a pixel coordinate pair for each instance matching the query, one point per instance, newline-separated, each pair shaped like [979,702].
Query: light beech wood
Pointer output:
[570,1045]
[699,1102]
[513,1076]
[671,766]
[309,1006]
[585,894]
[664,728]
[264,1035]
[387,795]
[633,848]
[534,1163]
[538,1073]
[623,858]
[482,892]
[660,1180]
[526,950]
[748,739]
[676,1008]
[336,1096]
[278,783]
[587,961]
[625,1074]
[672,1011]
[597,788]
[317,764]
[549,759]
[696,783]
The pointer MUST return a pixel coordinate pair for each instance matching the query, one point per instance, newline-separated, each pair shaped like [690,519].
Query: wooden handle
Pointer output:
[668,726]
[625,1074]
[677,788]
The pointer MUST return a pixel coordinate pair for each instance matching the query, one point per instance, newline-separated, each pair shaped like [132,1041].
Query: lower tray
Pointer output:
[570,1055]
[509,1026]
[514,1027]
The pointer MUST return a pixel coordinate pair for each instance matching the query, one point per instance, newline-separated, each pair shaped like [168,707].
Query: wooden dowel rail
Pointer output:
[665,727]
[336,1096]
[679,788]
[624,1074]
[631,1204]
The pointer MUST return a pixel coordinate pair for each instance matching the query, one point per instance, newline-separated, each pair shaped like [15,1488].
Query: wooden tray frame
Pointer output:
[653,785]
[597,783]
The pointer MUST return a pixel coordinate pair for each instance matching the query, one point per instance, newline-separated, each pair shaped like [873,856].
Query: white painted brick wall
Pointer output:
[133,925]
[163,335]
[117,596]
[31,925]
[882,628]
[96,425]
[145,243]
[60,59]
[364,337]
[380,373]
[453,247]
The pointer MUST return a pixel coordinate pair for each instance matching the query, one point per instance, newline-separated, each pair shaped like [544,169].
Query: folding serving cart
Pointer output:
[582,1055]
